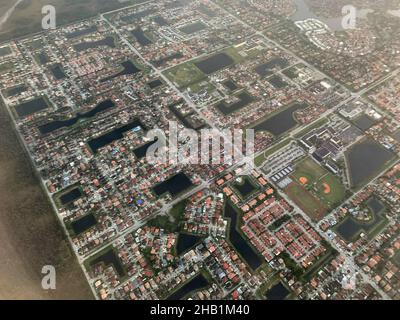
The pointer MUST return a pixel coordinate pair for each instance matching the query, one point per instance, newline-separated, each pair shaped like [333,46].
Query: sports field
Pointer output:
[315,190]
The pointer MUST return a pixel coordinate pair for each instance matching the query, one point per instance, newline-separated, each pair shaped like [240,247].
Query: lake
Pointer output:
[180,117]
[58,124]
[239,243]
[205,10]
[365,160]
[214,63]
[138,15]
[57,71]
[106,42]
[277,292]
[197,283]
[4,51]
[230,85]
[186,241]
[155,83]
[266,69]
[281,122]
[193,27]
[277,82]
[70,196]
[245,188]
[14,91]
[244,99]
[128,69]
[142,150]
[162,22]
[116,134]
[31,107]
[83,224]
[350,227]
[110,258]
[158,63]
[364,122]
[174,185]
[141,37]
[43,58]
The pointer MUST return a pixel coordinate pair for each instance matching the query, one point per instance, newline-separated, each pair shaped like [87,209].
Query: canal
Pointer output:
[238,242]
[58,124]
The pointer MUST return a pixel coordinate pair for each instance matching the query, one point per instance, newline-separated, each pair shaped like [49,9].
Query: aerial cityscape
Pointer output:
[297,197]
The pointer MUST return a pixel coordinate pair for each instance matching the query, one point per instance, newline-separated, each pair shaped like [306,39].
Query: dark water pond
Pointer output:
[281,122]
[142,150]
[141,37]
[70,196]
[155,83]
[277,292]
[364,122]
[161,21]
[129,68]
[110,258]
[31,107]
[244,99]
[58,71]
[193,27]
[5,51]
[186,242]
[266,69]
[83,224]
[351,227]
[277,82]
[14,91]
[230,85]
[195,284]
[160,62]
[43,58]
[174,185]
[366,159]
[245,188]
[214,63]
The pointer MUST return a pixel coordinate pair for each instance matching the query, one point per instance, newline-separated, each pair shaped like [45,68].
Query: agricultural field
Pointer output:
[27,16]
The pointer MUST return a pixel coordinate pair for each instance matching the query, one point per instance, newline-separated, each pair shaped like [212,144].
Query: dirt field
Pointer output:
[30,235]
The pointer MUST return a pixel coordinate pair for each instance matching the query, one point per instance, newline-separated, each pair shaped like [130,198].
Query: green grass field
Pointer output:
[185,74]
[306,201]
